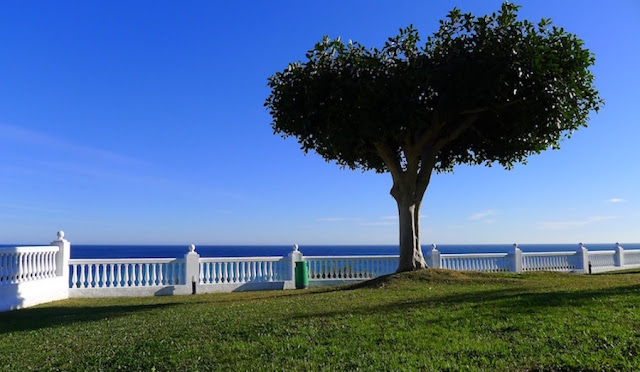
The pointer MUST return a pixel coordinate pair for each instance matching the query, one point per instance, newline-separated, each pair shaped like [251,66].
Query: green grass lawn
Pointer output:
[430,320]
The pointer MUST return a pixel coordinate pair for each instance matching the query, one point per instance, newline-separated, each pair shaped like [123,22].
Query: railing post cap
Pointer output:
[60,235]
[295,247]
[433,247]
[515,245]
[192,248]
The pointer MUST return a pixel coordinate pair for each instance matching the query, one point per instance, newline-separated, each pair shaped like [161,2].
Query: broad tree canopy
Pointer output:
[480,90]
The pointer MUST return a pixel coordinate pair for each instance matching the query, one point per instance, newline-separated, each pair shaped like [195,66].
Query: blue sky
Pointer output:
[143,122]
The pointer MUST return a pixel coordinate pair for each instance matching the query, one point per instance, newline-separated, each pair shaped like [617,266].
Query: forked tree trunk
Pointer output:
[411,257]
[409,186]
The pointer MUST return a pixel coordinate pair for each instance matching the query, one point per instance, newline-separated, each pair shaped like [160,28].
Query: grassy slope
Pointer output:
[431,320]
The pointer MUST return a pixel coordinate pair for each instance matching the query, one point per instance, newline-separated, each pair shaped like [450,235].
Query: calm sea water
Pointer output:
[178,251]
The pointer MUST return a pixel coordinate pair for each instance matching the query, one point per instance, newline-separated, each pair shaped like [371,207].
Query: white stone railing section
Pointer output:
[22,264]
[602,259]
[550,261]
[126,273]
[631,257]
[350,267]
[242,270]
[488,262]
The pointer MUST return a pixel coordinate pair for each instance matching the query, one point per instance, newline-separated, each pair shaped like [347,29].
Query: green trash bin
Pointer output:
[302,275]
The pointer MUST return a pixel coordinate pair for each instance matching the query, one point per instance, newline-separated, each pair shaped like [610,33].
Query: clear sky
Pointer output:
[143,122]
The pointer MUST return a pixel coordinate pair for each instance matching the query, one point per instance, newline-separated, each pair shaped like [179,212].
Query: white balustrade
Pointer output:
[549,261]
[488,262]
[242,270]
[601,259]
[22,264]
[126,273]
[350,267]
[632,257]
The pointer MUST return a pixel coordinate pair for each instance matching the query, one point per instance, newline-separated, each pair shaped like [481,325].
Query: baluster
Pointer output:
[74,276]
[201,273]
[135,274]
[215,272]
[103,277]
[52,264]
[127,276]
[259,274]
[90,276]
[162,274]
[44,261]
[155,274]
[216,268]
[145,274]
[35,256]
[235,271]
[20,274]
[114,278]
[83,276]
[326,270]
[27,266]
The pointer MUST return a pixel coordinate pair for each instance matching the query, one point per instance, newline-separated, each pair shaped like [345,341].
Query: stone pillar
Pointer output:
[582,259]
[192,268]
[619,255]
[293,257]
[62,258]
[433,257]
[515,259]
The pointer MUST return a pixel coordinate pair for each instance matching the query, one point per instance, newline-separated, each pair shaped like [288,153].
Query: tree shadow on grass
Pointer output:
[53,316]
[506,301]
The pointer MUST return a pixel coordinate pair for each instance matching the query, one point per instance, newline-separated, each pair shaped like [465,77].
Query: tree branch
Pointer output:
[480,110]
[457,131]
[390,159]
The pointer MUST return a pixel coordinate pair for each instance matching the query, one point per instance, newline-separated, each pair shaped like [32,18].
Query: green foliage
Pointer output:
[479,90]
[427,320]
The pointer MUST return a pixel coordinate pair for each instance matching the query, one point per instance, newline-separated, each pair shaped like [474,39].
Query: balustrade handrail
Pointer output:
[241,259]
[350,257]
[29,249]
[602,253]
[547,254]
[83,261]
[473,255]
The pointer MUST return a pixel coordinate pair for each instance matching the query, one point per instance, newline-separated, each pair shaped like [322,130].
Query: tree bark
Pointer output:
[411,257]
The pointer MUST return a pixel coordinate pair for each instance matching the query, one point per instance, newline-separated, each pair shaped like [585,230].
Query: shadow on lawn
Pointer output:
[516,300]
[53,316]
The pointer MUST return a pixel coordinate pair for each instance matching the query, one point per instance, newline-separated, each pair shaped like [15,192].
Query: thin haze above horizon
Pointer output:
[143,123]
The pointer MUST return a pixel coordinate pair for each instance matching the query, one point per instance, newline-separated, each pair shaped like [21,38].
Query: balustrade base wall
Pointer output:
[161,290]
[20,295]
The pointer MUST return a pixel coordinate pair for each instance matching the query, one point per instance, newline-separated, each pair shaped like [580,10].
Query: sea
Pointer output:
[80,251]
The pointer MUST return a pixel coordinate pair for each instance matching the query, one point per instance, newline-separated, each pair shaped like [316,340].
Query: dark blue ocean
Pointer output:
[177,251]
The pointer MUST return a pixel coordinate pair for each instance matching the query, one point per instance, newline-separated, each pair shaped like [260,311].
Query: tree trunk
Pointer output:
[411,257]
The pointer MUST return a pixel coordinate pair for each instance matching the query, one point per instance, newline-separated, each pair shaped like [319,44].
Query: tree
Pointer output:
[481,90]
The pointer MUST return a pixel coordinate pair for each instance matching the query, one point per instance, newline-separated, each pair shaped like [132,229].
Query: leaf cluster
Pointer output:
[479,90]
